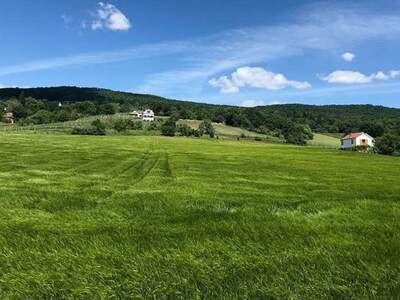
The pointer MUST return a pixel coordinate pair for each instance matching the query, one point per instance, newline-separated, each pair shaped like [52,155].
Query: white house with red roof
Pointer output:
[357,139]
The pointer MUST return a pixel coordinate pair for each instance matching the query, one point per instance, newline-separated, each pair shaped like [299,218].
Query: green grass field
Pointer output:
[65,127]
[222,129]
[152,217]
[226,131]
[324,140]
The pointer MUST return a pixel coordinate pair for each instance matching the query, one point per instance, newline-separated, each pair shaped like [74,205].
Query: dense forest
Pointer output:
[57,104]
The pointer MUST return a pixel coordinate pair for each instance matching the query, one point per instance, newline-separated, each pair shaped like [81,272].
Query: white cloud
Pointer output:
[5,86]
[198,60]
[256,78]
[225,85]
[252,103]
[346,77]
[353,77]
[110,17]
[348,56]
[67,20]
[275,103]
[139,52]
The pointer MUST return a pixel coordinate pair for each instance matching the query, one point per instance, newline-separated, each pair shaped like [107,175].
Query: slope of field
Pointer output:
[66,127]
[223,130]
[324,140]
[154,217]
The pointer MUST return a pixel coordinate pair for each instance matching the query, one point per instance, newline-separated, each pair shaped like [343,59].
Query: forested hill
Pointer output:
[88,101]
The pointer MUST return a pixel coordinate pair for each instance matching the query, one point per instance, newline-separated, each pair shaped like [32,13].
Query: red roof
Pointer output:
[352,135]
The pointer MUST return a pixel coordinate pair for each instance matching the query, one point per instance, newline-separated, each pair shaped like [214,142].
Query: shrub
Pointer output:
[127,124]
[62,116]
[120,125]
[196,133]
[298,134]
[153,126]
[363,148]
[138,125]
[169,127]
[97,128]
[80,131]
[41,117]
[206,127]
[184,130]
[387,144]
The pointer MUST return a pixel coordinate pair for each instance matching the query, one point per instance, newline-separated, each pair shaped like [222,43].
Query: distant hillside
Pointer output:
[76,94]
[327,118]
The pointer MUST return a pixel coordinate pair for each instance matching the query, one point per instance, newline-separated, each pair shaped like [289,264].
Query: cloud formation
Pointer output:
[348,56]
[196,60]
[252,103]
[353,77]
[256,78]
[67,20]
[110,17]
[150,50]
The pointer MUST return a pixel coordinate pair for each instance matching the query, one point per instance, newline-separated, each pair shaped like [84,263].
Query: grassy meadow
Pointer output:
[152,217]
[223,131]
[324,140]
[66,127]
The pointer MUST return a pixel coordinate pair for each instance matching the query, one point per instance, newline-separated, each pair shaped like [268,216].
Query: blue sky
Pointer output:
[242,52]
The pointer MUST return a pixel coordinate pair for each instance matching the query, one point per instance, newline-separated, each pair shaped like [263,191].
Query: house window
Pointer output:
[364,142]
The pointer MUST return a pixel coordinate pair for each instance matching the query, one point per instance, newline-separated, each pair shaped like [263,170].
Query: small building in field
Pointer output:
[146,115]
[136,114]
[9,116]
[357,139]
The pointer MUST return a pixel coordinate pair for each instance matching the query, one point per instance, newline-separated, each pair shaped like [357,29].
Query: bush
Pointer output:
[138,125]
[169,127]
[127,124]
[387,144]
[153,126]
[41,117]
[196,133]
[206,127]
[298,134]
[184,130]
[80,131]
[62,116]
[97,128]
[363,148]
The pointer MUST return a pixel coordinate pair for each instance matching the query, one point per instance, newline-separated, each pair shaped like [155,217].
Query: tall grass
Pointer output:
[153,217]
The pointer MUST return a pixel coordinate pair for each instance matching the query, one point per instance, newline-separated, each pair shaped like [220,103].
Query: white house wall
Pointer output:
[370,141]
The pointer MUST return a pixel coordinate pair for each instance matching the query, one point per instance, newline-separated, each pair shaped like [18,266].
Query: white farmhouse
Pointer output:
[357,139]
[147,115]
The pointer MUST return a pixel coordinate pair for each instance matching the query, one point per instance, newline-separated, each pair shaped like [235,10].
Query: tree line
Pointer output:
[42,105]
